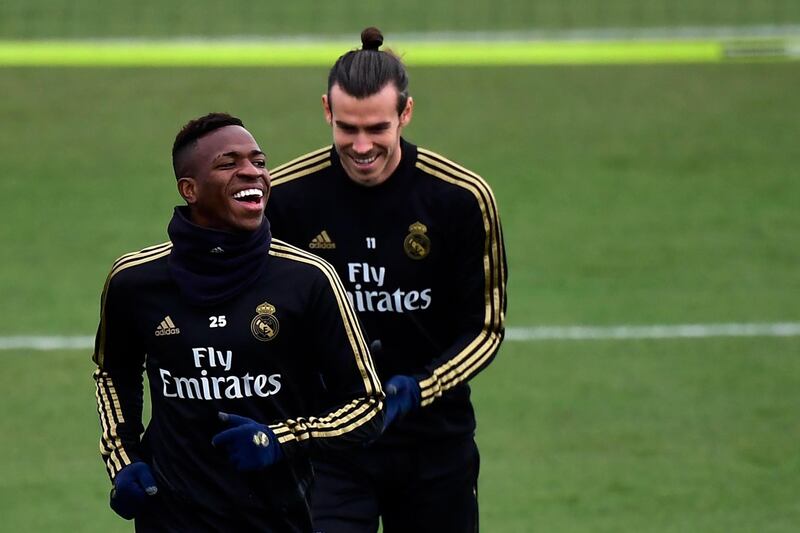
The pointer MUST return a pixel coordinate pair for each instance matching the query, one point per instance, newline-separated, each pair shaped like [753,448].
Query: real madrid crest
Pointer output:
[416,244]
[265,326]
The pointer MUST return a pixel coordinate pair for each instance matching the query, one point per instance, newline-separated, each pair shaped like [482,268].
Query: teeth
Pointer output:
[249,192]
[365,160]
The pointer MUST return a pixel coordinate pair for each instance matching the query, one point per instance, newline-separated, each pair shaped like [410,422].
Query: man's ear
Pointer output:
[326,107]
[187,188]
[408,111]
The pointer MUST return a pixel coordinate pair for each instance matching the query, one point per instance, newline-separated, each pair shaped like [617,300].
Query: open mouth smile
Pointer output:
[364,161]
[251,196]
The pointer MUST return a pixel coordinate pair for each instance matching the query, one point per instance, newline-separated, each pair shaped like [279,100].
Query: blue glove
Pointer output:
[402,396]
[249,445]
[132,486]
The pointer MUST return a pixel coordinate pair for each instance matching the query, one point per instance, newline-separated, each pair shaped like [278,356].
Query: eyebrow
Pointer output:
[378,125]
[234,154]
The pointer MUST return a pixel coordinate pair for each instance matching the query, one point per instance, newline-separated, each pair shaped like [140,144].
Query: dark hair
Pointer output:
[366,71]
[192,131]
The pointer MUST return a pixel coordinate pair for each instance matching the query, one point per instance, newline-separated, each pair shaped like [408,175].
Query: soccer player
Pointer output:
[253,356]
[417,241]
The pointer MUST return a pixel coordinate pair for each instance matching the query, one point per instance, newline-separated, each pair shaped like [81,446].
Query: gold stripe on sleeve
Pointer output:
[485,344]
[357,412]
[110,416]
[351,416]
[108,406]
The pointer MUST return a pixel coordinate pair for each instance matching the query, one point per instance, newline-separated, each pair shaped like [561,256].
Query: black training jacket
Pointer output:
[287,352]
[423,261]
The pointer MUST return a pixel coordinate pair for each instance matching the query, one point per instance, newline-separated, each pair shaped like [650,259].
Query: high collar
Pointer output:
[210,265]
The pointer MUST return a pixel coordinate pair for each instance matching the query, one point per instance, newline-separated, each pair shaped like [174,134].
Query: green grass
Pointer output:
[53,478]
[666,436]
[649,194]
[628,194]
[39,19]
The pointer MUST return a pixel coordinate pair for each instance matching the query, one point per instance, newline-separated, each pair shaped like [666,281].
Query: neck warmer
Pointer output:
[210,265]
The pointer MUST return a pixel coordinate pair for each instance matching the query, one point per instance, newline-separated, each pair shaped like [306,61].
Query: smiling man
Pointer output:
[253,355]
[366,131]
[417,241]
[224,180]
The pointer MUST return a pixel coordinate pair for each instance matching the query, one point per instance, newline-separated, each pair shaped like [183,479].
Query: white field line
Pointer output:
[513,334]
[678,331]
[41,342]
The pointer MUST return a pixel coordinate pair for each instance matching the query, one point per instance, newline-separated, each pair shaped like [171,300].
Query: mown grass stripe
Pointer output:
[282,54]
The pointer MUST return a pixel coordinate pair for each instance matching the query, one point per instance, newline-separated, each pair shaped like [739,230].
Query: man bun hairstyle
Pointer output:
[186,139]
[371,38]
[365,71]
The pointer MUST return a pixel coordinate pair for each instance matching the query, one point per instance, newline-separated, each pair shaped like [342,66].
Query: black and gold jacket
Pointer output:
[423,261]
[287,352]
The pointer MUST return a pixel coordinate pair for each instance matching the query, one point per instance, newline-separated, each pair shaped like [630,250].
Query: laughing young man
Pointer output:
[254,356]
[417,241]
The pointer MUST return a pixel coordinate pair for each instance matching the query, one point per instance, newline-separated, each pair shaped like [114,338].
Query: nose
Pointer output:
[249,170]
[362,144]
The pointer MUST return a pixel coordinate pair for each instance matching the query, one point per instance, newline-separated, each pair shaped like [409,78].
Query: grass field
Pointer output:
[644,194]
[42,19]
[649,194]
[575,437]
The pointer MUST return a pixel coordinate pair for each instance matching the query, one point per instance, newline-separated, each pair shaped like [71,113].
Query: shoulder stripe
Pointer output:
[144,251]
[138,259]
[108,406]
[304,161]
[463,365]
[285,167]
[285,250]
[488,206]
[279,248]
[483,194]
[447,162]
[126,261]
[299,174]
[357,412]
[475,355]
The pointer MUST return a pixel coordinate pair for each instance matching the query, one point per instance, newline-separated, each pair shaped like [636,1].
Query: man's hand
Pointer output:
[402,396]
[133,485]
[249,445]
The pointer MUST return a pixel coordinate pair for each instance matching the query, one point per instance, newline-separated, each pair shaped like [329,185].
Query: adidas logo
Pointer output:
[322,241]
[167,327]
